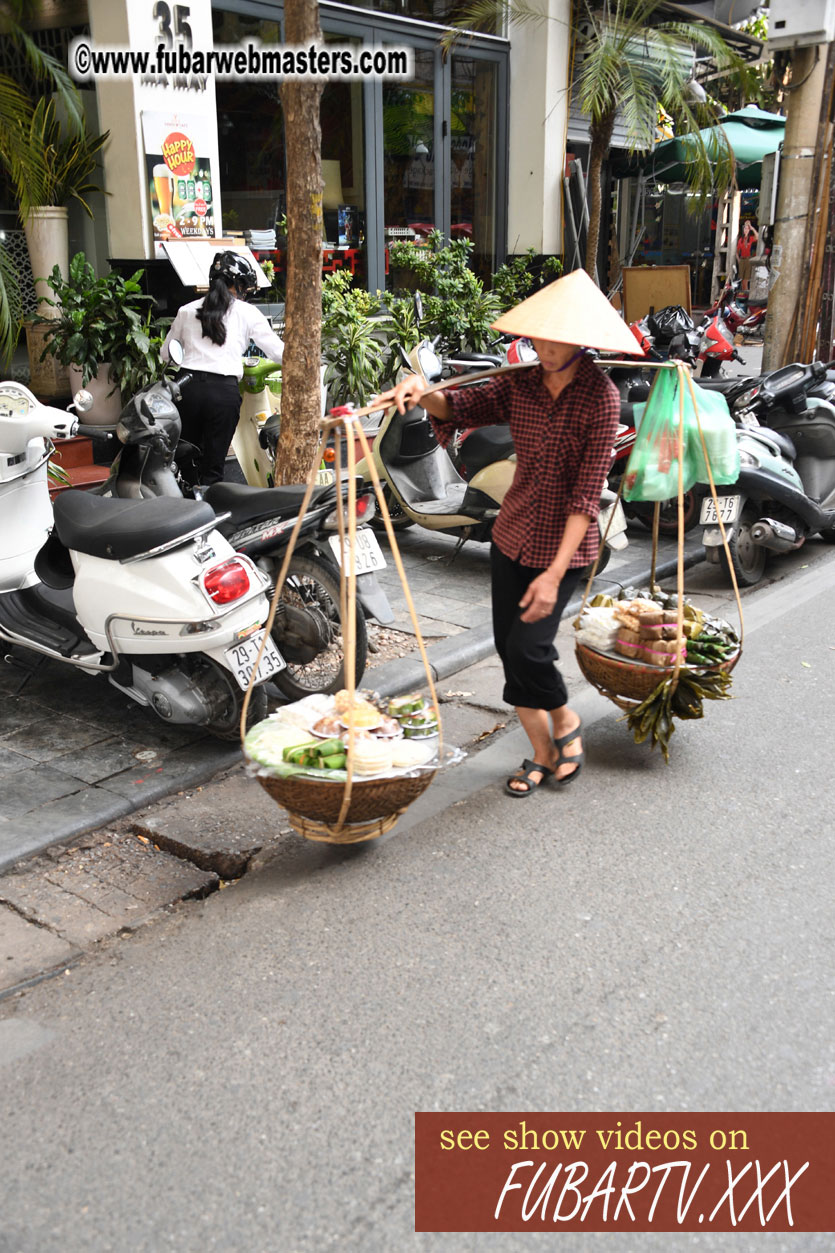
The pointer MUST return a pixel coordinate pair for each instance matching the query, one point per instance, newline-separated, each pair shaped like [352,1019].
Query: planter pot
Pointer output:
[107,399]
[48,378]
[47,239]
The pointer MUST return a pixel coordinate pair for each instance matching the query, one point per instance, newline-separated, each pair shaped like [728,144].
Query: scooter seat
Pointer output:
[485,445]
[783,442]
[117,529]
[246,503]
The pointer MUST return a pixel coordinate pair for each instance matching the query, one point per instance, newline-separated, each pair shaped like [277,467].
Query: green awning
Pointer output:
[751,133]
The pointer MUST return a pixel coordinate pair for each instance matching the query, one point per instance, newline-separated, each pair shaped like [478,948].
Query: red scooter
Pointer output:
[741,318]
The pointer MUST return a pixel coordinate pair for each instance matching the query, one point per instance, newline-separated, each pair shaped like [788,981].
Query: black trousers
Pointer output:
[210,407]
[527,649]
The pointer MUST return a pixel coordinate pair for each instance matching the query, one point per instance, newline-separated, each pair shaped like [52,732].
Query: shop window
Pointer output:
[473,151]
[409,165]
[343,175]
[250,124]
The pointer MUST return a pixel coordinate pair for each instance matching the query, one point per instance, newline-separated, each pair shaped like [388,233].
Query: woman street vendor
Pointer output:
[562,414]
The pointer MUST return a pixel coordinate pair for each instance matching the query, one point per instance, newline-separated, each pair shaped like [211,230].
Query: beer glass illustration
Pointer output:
[164,188]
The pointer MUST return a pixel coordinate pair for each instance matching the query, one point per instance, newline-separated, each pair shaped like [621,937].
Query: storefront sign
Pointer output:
[179,177]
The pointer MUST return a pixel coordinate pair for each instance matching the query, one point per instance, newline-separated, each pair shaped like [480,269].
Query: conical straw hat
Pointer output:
[573,310]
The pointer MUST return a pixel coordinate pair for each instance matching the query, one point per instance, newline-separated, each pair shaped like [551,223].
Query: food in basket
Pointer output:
[420,726]
[389,728]
[371,756]
[318,754]
[327,727]
[403,705]
[599,627]
[407,754]
[364,717]
[266,741]
[302,713]
[343,701]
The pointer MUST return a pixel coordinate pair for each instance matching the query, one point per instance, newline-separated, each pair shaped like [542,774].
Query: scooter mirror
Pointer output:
[82,401]
[176,352]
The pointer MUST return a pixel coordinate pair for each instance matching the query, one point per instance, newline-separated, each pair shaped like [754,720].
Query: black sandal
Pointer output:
[529,767]
[563,758]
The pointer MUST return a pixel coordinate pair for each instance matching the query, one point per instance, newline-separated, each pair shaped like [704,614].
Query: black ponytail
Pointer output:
[212,312]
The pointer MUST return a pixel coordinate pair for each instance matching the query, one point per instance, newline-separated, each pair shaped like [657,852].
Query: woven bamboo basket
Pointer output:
[628,679]
[314,803]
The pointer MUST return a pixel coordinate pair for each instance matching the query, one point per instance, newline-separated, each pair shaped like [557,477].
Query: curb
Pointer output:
[459,651]
[394,678]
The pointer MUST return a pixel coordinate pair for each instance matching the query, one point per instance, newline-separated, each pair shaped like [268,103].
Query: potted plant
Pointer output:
[22,158]
[57,169]
[103,329]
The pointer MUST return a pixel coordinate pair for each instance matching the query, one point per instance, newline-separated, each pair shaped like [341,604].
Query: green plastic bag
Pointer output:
[652,469]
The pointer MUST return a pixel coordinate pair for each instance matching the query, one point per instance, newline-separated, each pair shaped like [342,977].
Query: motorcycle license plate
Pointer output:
[241,659]
[368,555]
[728,510]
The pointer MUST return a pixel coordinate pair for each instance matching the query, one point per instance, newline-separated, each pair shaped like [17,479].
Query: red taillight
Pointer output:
[365,506]
[329,455]
[227,582]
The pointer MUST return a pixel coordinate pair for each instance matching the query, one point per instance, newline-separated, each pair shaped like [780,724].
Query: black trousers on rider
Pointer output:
[526,649]
[210,408]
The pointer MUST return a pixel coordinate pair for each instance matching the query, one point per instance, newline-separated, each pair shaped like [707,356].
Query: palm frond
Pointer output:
[492,17]
[11,309]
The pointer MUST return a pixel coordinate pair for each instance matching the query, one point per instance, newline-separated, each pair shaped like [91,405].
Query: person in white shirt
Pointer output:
[215,333]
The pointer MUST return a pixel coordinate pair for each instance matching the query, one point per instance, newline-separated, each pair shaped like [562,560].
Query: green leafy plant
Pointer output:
[59,161]
[355,359]
[457,307]
[522,276]
[103,319]
[16,109]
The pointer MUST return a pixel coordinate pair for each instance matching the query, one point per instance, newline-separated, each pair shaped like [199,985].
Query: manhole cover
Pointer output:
[146,754]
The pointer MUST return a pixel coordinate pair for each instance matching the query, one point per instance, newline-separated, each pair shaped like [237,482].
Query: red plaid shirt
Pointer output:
[563,454]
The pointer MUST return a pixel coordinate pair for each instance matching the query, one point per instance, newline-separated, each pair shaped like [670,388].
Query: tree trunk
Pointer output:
[301,403]
[601,138]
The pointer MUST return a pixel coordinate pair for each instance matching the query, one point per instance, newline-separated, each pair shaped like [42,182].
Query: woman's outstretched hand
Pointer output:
[406,394]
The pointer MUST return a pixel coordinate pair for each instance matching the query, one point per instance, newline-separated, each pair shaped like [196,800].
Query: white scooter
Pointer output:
[147,592]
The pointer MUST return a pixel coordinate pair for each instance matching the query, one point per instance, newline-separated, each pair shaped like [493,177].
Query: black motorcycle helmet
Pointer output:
[235,271]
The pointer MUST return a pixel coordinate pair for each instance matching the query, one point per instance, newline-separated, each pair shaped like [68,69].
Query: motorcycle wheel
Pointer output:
[229,701]
[399,520]
[747,558]
[828,534]
[313,588]
[668,518]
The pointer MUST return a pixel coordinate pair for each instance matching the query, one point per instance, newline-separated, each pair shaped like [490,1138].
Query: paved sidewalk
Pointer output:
[76,754]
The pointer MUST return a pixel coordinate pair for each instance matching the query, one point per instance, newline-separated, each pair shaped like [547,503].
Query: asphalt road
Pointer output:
[243,1074]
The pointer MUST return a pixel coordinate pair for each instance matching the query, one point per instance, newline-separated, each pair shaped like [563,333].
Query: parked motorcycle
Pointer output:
[671,333]
[786,487]
[147,592]
[422,484]
[256,522]
[741,317]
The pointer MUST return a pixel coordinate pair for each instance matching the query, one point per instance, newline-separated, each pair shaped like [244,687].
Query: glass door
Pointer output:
[410,153]
[343,175]
[474,186]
